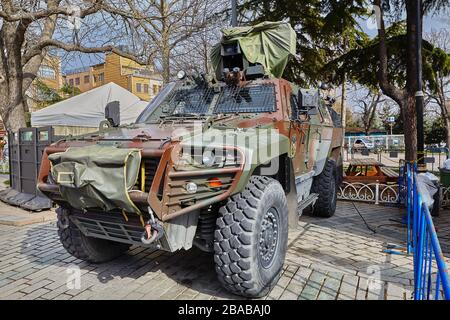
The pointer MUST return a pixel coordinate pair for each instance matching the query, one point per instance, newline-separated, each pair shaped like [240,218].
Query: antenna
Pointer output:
[233,13]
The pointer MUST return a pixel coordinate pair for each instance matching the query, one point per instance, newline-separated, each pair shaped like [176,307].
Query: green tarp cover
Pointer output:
[97,176]
[267,43]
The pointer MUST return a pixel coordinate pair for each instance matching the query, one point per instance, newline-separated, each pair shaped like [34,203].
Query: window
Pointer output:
[138,87]
[155,89]
[47,72]
[294,106]
[86,79]
[71,82]
[101,77]
[77,81]
[43,136]
[247,99]
[146,88]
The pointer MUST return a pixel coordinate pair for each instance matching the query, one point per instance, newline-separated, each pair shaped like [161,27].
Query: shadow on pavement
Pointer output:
[192,269]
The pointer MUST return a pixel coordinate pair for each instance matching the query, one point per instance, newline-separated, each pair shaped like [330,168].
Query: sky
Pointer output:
[433,22]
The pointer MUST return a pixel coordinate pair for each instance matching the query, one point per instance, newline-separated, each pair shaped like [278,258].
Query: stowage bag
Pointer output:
[97,176]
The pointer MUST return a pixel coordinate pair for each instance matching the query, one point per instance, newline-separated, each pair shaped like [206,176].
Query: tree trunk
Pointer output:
[16,118]
[408,108]
[410,112]
[166,66]
[447,131]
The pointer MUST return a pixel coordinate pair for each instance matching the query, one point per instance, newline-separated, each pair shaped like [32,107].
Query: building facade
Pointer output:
[50,72]
[139,79]
[47,84]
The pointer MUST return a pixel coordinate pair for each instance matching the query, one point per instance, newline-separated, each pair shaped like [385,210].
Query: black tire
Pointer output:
[325,185]
[243,266]
[87,248]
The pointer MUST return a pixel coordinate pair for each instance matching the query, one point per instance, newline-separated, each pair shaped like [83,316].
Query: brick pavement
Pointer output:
[337,258]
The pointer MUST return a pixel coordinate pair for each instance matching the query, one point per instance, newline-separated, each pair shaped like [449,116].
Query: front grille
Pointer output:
[109,226]
[150,165]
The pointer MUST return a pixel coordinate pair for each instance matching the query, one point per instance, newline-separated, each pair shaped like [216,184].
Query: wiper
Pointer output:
[187,115]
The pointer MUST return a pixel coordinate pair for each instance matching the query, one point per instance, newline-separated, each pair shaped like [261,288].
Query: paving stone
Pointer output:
[313,286]
[326,259]
[395,292]
[35,294]
[37,285]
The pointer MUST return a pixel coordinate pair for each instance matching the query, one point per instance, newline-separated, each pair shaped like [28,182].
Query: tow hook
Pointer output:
[153,230]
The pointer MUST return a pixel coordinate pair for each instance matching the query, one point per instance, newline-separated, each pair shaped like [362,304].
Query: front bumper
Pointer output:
[163,188]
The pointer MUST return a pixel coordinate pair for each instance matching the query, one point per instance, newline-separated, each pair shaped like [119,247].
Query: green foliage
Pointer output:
[435,131]
[46,96]
[324,30]
[361,64]
[69,90]
[438,66]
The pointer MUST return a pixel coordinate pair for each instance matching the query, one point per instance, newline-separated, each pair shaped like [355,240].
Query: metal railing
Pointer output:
[377,193]
[431,280]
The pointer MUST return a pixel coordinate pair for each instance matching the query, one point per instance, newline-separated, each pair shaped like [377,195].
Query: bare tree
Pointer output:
[30,28]
[439,90]
[193,55]
[167,24]
[368,108]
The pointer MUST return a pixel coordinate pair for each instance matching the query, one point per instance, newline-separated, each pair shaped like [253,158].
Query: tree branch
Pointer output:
[388,88]
[42,14]
[74,47]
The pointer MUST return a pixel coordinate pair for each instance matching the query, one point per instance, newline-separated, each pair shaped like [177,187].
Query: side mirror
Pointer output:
[112,113]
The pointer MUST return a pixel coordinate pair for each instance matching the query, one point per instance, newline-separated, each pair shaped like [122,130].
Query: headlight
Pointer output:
[191,187]
[208,158]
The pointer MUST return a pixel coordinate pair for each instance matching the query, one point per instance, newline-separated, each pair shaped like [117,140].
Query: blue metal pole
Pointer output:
[419,256]
[425,262]
[438,284]
[430,264]
[442,267]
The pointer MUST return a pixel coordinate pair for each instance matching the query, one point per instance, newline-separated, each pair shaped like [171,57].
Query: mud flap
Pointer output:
[292,202]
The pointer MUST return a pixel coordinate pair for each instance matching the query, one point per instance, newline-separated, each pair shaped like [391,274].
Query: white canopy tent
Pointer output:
[84,112]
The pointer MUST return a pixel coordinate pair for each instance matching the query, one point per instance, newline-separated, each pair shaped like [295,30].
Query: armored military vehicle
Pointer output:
[225,162]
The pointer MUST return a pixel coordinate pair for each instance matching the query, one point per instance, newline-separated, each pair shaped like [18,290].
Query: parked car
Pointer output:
[363,144]
[436,149]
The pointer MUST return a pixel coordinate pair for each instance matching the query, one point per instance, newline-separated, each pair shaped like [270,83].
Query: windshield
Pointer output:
[179,100]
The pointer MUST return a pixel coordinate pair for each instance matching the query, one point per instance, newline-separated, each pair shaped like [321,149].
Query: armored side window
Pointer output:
[259,98]
[294,106]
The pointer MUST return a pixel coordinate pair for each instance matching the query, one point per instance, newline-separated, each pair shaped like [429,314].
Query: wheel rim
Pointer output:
[268,238]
